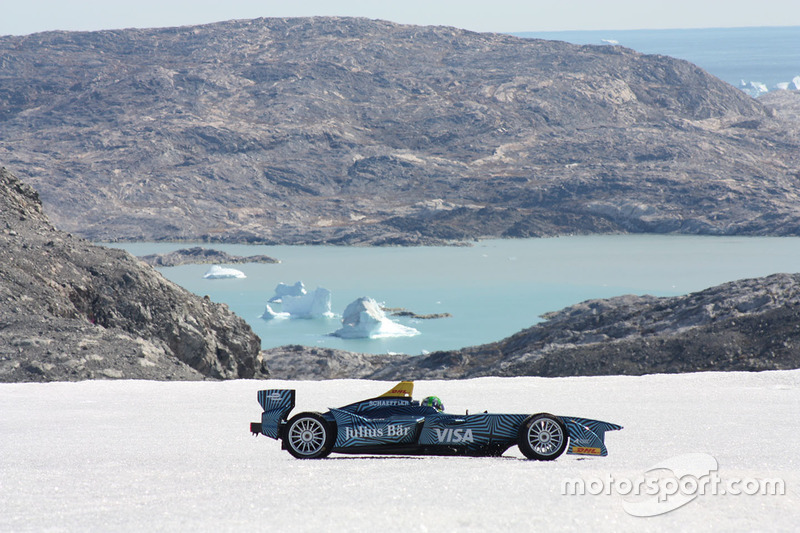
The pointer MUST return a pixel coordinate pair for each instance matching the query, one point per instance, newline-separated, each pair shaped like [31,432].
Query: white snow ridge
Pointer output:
[218,272]
[364,319]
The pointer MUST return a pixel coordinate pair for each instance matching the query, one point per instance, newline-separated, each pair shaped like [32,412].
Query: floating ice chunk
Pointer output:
[218,272]
[609,41]
[782,86]
[298,289]
[315,304]
[364,319]
[796,83]
[269,314]
[754,88]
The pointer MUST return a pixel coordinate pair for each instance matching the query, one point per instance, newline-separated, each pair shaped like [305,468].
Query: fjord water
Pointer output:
[492,289]
[769,55]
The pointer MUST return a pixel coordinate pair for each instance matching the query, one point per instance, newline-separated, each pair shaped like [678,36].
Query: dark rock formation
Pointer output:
[70,310]
[743,325]
[199,256]
[337,130]
[399,311]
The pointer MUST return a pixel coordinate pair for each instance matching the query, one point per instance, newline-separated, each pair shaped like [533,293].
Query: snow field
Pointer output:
[136,455]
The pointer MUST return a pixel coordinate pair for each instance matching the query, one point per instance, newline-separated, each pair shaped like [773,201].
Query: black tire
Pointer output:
[309,436]
[542,437]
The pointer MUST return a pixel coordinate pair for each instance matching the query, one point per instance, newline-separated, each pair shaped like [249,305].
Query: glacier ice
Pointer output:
[364,319]
[298,289]
[218,272]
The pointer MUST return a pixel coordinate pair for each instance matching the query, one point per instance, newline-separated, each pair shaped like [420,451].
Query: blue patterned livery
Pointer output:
[395,424]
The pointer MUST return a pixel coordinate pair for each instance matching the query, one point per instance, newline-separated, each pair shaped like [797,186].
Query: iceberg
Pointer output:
[218,272]
[364,319]
[298,289]
[753,88]
[315,304]
[269,314]
[796,83]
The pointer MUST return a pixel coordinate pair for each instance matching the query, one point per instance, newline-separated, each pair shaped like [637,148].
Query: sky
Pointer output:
[21,17]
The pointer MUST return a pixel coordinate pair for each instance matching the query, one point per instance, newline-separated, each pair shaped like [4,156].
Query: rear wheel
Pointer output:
[542,437]
[309,436]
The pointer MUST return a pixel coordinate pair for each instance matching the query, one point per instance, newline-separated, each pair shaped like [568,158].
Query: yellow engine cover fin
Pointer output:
[401,390]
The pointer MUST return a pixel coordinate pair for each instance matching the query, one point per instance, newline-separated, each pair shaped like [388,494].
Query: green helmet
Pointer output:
[433,401]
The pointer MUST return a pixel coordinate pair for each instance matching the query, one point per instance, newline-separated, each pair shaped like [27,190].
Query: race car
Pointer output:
[395,424]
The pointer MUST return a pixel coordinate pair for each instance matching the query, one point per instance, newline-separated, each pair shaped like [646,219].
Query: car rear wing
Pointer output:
[277,405]
[587,436]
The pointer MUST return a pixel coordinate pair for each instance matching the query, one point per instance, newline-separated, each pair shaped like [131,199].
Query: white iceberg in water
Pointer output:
[269,314]
[315,304]
[218,272]
[364,319]
[796,82]
[298,289]
[753,88]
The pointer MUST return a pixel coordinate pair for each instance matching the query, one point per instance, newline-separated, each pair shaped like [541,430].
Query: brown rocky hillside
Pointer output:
[345,130]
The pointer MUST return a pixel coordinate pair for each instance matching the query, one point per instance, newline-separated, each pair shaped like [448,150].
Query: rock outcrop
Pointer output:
[198,255]
[341,130]
[70,310]
[744,325]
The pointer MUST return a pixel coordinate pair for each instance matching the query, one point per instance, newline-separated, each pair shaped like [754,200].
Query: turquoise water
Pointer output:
[492,289]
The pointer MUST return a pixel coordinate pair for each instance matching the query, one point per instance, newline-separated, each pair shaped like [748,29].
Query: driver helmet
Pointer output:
[433,401]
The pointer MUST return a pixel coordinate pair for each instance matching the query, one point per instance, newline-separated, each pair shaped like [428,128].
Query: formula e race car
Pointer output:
[394,424]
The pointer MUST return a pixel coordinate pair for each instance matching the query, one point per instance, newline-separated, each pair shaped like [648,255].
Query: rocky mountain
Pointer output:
[70,310]
[747,325]
[340,130]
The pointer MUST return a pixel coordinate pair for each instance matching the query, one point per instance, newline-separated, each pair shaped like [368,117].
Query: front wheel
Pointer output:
[542,437]
[309,436]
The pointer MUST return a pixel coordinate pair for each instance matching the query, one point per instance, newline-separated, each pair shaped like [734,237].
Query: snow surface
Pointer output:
[364,319]
[218,272]
[140,455]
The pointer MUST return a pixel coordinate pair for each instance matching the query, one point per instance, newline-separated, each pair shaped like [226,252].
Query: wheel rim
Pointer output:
[545,436]
[307,436]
